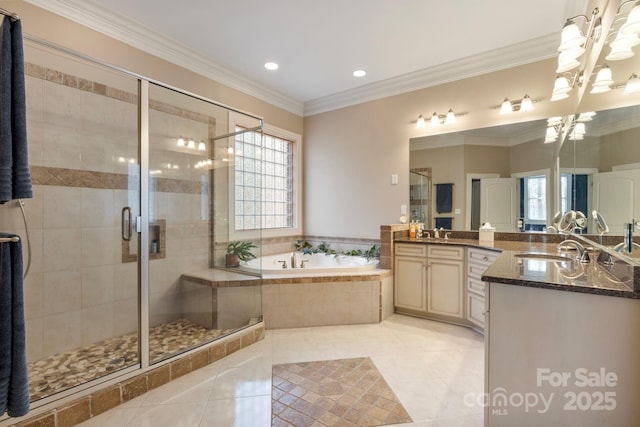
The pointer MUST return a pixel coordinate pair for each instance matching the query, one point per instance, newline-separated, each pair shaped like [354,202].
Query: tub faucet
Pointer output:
[293,260]
[302,262]
[284,263]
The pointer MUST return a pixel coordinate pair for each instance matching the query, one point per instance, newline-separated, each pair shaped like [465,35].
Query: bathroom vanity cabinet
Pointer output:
[429,281]
[572,357]
[478,260]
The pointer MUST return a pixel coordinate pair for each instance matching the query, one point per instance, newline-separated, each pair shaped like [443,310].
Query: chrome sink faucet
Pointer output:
[583,254]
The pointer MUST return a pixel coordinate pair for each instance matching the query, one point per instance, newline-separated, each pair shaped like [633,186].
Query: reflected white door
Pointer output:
[499,203]
[616,195]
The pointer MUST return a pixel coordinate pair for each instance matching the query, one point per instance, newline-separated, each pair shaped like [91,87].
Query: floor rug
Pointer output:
[345,392]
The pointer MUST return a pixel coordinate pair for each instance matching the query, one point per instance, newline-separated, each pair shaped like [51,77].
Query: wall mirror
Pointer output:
[607,159]
[549,178]
[501,174]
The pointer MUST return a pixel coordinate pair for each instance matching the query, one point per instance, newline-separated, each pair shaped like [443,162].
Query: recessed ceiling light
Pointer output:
[359,73]
[271,66]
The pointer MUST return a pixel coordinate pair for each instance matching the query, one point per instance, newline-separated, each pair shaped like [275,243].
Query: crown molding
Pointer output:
[131,33]
[494,60]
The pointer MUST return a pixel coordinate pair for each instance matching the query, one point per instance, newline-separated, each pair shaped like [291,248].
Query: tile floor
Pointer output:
[430,366]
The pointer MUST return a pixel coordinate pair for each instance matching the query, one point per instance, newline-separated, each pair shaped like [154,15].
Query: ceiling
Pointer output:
[402,44]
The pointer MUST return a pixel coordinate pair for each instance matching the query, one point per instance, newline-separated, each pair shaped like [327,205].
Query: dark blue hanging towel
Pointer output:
[444,197]
[15,178]
[14,381]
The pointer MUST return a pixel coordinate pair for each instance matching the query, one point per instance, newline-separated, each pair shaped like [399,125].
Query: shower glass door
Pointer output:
[189,169]
[81,294]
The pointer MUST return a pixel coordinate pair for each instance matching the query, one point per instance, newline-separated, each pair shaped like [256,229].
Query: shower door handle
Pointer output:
[126,224]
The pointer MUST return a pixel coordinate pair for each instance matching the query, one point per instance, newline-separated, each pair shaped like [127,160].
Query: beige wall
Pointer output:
[619,148]
[531,156]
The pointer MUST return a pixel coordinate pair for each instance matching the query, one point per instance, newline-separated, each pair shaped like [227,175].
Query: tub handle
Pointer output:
[303,262]
[284,263]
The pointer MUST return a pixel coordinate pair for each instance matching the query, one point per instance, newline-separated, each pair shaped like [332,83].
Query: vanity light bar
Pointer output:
[437,120]
[524,104]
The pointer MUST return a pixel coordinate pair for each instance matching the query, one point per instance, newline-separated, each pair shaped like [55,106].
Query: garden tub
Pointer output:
[313,263]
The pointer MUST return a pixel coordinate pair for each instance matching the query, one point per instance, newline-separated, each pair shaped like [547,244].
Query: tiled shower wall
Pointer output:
[82,135]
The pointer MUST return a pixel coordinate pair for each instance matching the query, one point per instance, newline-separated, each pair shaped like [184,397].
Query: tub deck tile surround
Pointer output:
[110,396]
[323,298]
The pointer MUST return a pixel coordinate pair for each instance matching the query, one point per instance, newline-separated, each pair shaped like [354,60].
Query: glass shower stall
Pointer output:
[133,190]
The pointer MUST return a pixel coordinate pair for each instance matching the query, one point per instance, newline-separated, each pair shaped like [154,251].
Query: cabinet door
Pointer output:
[445,290]
[475,309]
[410,283]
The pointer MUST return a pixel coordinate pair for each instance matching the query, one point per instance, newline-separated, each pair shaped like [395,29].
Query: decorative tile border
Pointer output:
[45,175]
[75,82]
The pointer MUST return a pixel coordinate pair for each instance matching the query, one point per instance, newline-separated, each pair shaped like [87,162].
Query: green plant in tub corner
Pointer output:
[371,253]
[239,251]
[304,247]
[324,248]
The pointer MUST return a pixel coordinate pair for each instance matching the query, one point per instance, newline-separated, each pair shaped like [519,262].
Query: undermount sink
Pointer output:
[540,256]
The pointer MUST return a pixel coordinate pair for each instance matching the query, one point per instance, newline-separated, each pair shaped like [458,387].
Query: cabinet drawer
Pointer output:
[445,251]
[475,285]
[476,270]
[483,257]
[411,250]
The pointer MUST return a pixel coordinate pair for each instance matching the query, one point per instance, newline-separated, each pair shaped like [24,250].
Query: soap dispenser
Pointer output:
[436,233]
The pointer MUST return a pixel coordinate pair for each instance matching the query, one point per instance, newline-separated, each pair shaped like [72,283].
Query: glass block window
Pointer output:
[263,181]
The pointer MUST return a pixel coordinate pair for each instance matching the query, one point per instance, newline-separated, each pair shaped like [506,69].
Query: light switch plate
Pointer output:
[394,179]
[403,209]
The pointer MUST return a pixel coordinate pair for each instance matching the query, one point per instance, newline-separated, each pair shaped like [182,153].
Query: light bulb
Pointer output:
[587,116]
[633,85]
[420,123]
[191,144]
[561,86]
[201,146]
[554,121]
[451,117]
[567,61]
[571,36]
[526,104]
[435,120]
[632,24]
[181,142]
[619,52]
[506,107]
[604,77]
[628,40]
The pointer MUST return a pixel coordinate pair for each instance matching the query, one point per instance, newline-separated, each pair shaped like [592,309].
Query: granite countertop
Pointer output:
[570,275]
[513,269]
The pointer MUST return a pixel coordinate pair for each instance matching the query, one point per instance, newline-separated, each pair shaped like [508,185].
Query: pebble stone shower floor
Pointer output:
[61,371]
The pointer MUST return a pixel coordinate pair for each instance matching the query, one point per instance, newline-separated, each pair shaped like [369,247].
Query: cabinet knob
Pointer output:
[485,258]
